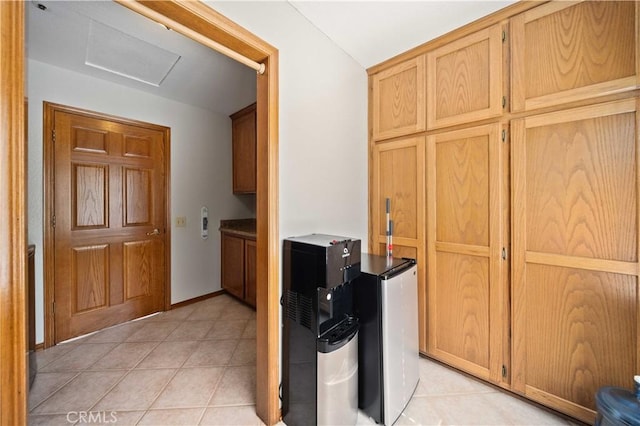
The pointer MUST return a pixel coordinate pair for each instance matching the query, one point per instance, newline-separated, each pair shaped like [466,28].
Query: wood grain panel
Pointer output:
[466,284]
[250,272]
[398,171]
[465,79]
[564,52]
[139,268]
[89,188]
[462,191]
[233,265]
[399,251]
[575,254]
[460,75]
[398,100]
[244,150]
[462,300]
[90,277]
[89,140]
[138,203]
[581,192]
[136,146]
[579,329]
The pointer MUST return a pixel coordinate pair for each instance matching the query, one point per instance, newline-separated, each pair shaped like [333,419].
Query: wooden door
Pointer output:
[464,78]
[109,219]
[398,174]
[575,254]
[568,51]
[397,100]
[250,272]
[232,268]
[467,276]
[243,128]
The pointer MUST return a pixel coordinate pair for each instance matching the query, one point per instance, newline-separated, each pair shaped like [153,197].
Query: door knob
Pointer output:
[154,232]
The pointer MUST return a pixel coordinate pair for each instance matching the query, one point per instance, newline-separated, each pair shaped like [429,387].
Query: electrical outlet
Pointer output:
[181,222]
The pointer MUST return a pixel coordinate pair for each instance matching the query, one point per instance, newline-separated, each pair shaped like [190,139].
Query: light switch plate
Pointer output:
[181,222]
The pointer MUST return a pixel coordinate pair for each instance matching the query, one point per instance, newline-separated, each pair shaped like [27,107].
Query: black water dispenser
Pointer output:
[319,330]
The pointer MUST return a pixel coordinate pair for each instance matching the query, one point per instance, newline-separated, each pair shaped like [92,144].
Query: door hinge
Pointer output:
[504,371]
[53,221]
[504,36]
[504,135]
[53,135]
[53,307]
[504,253]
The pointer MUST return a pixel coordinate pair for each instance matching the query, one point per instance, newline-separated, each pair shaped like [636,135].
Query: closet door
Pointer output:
[464,79]
[467,282]
[567,51]
[397,102]
[575,254]
[397,174]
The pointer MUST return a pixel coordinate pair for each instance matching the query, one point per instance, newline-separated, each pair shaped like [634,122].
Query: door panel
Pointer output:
[89,191]
[588,319]
[575,254]
[467,282]
[567,51]
[398,101]
[90,275]
[464,78]
[397,173]
[109,197]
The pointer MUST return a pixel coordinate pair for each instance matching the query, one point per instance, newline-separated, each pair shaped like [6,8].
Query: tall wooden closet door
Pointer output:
[575,254]
[397,173]
[467,288]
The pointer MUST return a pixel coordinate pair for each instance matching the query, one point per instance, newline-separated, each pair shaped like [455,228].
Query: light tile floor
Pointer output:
[195,365]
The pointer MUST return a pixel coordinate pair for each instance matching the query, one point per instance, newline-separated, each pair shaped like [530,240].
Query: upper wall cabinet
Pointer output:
[398,106]
[243,125]
[564,52]
[465,79]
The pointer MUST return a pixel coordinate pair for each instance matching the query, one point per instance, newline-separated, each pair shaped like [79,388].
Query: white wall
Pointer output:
[200,171]
[323,122]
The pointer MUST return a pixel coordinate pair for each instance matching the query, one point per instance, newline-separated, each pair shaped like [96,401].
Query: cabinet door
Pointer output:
[244,150]
[398,175]
[464,79]
[563,52]
[467,286]
[398,105]
[233,265]
[250,272]
[575,254]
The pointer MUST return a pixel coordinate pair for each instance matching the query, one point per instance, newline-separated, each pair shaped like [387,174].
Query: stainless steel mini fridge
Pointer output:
[386,304]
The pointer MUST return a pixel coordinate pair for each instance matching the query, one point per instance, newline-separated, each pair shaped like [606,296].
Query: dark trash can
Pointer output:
[618,406]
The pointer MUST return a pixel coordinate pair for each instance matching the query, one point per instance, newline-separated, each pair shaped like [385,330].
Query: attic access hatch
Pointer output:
[116,52]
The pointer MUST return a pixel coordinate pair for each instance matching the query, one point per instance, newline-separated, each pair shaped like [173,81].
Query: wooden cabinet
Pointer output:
[239,267]
[567,51]
[398,102]
[526,225]
[575,248]
[464,79]
[250,271]
[397,174]
[243,129]
[467,276]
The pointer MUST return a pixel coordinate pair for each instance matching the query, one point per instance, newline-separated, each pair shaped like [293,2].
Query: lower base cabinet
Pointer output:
[239,267]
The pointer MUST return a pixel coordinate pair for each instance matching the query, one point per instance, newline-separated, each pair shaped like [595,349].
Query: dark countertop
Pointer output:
[241,227]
